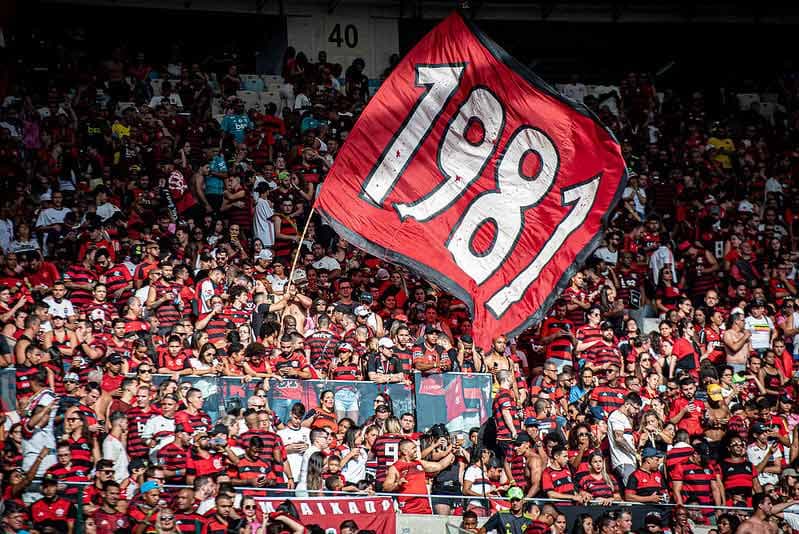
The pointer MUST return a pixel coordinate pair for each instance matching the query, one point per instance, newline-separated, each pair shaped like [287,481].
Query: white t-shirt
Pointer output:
[761,331]
[639,199]
[291,436]
[618,421]
[106,211]
[42,437]
[63,308]
[263,227]
[755,455]
[604,254]
[480,483]
[160,428]
[302,479]
[52,216]
[173,99]
[114,450]
[355,470]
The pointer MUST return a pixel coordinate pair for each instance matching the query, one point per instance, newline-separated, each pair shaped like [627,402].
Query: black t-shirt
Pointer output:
[507,522]
[377,364]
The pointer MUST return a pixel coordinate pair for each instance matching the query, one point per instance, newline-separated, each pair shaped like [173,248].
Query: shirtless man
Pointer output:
[764,508]
[736,342]
[496,361]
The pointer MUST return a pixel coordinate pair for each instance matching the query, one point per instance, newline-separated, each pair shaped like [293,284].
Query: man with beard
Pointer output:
[218,523]
[117,278]
[163,298]
[52,510]
[108,517]
[515,521]
[287,232]
[138,416]
[601,355]
[291,365]
[173,457]
[187,519]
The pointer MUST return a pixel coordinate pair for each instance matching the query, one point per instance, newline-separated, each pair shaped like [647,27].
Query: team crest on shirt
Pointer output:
[217,463]
[295,364]
[262,470]
[179,361]
[419,467]
[59,512]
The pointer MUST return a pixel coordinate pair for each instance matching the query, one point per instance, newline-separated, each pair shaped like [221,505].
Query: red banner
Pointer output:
[369,513]
[471,170]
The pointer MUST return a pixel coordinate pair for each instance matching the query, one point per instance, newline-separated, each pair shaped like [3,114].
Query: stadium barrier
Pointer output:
[365,509]
[460,400]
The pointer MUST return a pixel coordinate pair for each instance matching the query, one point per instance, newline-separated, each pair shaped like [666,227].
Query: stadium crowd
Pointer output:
[152,239]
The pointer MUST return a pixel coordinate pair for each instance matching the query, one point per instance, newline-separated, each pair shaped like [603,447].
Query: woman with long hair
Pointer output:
[582,444]
[252,523]
[667,294]
[354,455]
[649,430]
[727,523]
[83,443]
[314,484]
[771,376]
[583,525]
[324,415]
[598,482]
[165,523]
[685,349]
[347,367]
[652,381]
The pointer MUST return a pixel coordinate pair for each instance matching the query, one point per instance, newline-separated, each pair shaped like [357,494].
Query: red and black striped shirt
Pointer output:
[137,418]
[608,398]
[81,453]
[559,480]
[172,457]
[597,487]
[504,400]
[737,476]
[321,346]
[386,451]
[695,482]
[80,275]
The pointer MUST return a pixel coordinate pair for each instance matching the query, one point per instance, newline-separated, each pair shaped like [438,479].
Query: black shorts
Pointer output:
[452,502]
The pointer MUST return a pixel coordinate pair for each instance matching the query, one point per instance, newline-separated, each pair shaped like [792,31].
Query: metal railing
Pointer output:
[460,400]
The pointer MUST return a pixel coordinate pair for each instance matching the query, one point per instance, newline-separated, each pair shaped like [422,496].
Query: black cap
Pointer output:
[49,480]
[220,429]
[115,358]
[431,329]
[606,325]
[467,339]
[522,438]
[653,518]
[138,463]
[382,408]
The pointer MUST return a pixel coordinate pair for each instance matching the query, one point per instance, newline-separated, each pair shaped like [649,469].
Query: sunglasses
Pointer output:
[167,517]
[249,507]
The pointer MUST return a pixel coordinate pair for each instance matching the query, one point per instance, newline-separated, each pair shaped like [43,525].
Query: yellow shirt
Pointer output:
[724,147]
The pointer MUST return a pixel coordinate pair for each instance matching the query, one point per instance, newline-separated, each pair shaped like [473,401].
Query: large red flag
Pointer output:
[471,170]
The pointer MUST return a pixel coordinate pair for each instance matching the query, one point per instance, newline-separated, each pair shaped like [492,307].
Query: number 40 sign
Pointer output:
[468,168]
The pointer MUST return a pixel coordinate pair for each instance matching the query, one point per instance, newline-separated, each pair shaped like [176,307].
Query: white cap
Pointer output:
[299,276]
[362,311]
[385,342]
[97,315]
[265,254]
[382,274]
